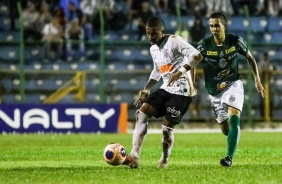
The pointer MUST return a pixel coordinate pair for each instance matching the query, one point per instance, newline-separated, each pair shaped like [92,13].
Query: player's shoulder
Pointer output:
[234,37]
[205,42]
[173,38]
[153,48]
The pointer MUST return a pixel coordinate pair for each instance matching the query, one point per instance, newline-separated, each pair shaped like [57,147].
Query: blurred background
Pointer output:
[96,52]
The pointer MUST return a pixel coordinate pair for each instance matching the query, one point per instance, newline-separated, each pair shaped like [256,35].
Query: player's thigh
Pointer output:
[156,101]
[220,111]
[176,107]
[234,97]
[148,109]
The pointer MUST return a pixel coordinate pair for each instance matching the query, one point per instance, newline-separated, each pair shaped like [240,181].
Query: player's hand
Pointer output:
[260,88]
[144,93]
[174,77]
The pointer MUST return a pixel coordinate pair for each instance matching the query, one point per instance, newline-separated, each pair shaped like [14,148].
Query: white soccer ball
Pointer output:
[114,154]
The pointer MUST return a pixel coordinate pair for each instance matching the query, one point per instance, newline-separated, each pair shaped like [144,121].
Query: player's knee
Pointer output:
[224,127]
[141,117]
[167,135]
[225,131]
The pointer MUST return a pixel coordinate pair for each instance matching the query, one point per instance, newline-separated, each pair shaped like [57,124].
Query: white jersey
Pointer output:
[172,54]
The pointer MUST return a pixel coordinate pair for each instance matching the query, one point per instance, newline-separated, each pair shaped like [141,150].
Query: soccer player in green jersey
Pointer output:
[222,79]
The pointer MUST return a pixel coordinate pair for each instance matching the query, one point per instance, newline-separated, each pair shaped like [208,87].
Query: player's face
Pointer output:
[154,34]
[217,28]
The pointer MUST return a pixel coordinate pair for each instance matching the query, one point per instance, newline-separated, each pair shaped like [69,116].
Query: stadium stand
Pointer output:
[127,67]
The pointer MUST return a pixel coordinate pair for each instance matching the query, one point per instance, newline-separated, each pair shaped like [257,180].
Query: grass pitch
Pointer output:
[78,158]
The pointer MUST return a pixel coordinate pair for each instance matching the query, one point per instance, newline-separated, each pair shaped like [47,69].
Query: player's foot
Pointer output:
[163,163]
[131,161]
[227,161]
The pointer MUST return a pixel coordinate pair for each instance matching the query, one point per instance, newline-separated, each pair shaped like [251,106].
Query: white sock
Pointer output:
[139,133]
[167,141]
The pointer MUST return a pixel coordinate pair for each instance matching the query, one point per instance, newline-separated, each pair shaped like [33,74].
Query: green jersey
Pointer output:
[220,63]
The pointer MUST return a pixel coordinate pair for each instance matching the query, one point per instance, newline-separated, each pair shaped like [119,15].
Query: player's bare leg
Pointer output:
[168,140]
[139,133]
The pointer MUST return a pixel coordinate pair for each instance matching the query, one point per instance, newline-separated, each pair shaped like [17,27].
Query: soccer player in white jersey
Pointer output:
[169,53]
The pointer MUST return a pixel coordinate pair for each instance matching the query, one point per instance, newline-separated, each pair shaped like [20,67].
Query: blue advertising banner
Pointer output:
[63,118]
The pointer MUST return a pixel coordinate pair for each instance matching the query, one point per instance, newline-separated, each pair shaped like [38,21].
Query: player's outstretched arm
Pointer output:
[254,67]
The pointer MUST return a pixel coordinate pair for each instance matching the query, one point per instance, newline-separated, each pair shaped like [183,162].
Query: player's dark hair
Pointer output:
[219,15]
[155,22]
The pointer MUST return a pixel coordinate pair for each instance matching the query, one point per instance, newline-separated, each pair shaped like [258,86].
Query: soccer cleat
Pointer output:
[131,161]
[163,163]
[227,161]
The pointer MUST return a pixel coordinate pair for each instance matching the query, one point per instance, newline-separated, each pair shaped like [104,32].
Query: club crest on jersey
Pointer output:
[221,54]
[222,63]
[232,98]
[166,53]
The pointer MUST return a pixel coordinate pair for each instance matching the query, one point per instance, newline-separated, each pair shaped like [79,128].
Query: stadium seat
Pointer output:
[8,36]
[278,84]
[170,22]
[31,84]
[116,65]
[131,113]
[258,24]
[277,100]
[30,98]
[7,84]
[276,114]
[34,53]
[128,36]
[4,12]
[274,24]
[111,36]
[276,57]
[4,65]
[9,53]
[9,98]
[260,37]
[127,98]
[275,37]
[127,54]
[4,23]
[238,24]
[189,21]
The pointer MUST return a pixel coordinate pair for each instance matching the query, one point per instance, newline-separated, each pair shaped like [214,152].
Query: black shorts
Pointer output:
[168,105]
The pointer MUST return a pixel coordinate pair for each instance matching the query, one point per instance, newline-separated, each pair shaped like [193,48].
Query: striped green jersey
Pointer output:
[220,63]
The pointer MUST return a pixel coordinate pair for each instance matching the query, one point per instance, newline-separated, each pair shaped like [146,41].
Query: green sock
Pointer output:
[233,135]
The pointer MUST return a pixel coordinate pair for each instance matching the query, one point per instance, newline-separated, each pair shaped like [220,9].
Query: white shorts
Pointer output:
[233,97]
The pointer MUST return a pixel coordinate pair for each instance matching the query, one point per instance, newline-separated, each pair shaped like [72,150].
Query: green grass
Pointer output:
[78,158]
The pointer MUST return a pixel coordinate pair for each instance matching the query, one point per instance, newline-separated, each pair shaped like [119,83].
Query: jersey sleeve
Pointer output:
[155,73]
[182,46]
[200,46]
[186,49]
[243,46]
